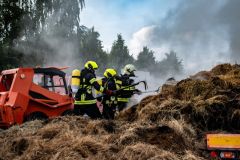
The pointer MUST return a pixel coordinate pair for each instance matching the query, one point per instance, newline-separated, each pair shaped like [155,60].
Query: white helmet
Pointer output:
[129,69]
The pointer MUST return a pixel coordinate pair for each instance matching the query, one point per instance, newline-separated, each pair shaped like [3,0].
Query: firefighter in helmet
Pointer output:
[85,102]
[127,92]
[109,101]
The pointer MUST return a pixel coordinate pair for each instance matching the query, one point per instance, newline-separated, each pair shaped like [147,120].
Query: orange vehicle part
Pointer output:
[224,146]
[223,141]
[26,93]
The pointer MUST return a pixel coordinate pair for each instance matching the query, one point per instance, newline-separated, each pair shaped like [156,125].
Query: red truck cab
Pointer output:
[32,93]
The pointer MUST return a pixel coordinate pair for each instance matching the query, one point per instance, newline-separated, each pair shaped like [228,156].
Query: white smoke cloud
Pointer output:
[142,38]
[203,33]
[55,48]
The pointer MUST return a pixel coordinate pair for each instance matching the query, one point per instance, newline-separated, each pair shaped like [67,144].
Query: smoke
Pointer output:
[54,42]
[229,16]
[64,52]
[154,84]
[203,33]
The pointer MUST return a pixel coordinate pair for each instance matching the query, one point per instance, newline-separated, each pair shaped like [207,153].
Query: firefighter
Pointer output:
[85,102]
[109,101]
[127,92]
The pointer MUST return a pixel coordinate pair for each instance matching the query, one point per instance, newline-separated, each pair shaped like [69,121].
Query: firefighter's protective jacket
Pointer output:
[127,92]
[110,84]
[88,81]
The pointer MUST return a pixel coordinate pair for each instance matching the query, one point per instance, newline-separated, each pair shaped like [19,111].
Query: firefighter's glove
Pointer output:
[130,81]
[109,92]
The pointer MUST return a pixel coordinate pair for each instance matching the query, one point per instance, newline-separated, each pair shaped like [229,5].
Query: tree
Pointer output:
[26,24]
[91,48]
[10,29]
[171,65]
[145,60]
[119,55]
[55,28]
[53,17]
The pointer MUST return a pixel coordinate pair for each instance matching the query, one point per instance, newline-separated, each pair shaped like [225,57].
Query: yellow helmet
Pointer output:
[91,65]
[110,73]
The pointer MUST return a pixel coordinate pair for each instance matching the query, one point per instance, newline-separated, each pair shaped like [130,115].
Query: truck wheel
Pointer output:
[68,113]
[36,116]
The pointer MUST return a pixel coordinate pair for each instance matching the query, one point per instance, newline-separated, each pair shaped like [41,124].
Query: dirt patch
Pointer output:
[19,146]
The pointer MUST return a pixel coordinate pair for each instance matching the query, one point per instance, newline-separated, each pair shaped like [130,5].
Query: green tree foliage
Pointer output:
[145,60]
[54,23]
[171,65]
[57,17]
[25,24]
[10,28]
[91,48]
[119,55]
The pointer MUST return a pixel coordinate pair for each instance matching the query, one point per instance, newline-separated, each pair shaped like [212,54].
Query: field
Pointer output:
[168,126]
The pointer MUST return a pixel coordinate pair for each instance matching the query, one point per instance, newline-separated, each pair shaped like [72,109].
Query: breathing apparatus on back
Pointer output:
[75,81]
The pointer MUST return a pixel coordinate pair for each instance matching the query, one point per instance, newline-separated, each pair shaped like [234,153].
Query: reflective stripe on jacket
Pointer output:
[123,99]
[85,102]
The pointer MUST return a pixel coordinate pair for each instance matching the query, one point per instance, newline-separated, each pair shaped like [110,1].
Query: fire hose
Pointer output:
[132,85]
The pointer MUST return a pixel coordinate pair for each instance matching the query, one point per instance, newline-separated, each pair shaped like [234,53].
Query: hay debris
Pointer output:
[168,126]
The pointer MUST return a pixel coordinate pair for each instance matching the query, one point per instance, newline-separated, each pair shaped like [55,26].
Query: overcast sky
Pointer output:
[202,32]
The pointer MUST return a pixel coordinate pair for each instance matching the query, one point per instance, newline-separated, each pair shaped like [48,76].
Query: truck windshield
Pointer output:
[54,83]
[6,82]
